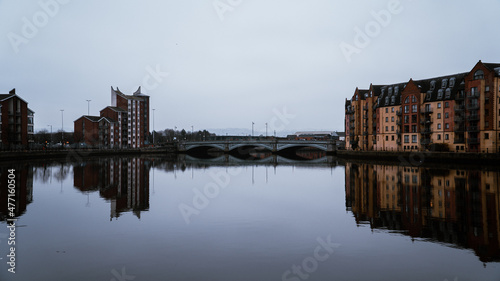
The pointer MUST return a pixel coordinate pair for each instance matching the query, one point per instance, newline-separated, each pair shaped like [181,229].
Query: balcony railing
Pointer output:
[459,118]
[426,110]
[459,129]
[425,141]
[426,131]
[459,107]
[398,112]
[472,106]
[459,140]
[398,122]
[473,117]
[473,129]
[472,141]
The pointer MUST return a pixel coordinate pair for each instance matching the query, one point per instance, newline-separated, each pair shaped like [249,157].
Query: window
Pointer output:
[452,82]
[407,119]
[392,109]
[413,128]
[386,128]
[447,126]
[479,74]
[413,99]
[386,119]
[392,128]
[387,110]
[486,124]
[407,109]
[446,104]
[440,94]
[414,108]
[446,115]
[486,136]
[407,129]
[407,100]
[407,139]
[386,138]
[447,94]
[444,83]
[414,138]
[439,115]
[439,126]
[439,105]
[392,137]
[392,118]
[433,85]
[439,136]
[446,137]
[414,118]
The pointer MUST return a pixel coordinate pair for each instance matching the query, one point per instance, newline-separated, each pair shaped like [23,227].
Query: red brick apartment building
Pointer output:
[16,122]
[123,124]
[459,112]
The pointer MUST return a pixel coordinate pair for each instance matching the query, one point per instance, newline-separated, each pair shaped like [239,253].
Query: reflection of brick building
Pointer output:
[460,207]
[123,124]
[16,121]
[24,189]
[122,181]
[458,112]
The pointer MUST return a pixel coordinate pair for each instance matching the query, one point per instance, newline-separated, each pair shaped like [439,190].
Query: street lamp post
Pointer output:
[50,133]
[153,127]
[192,132]
[62,126]
[88,107]
[252,128]
[266,130]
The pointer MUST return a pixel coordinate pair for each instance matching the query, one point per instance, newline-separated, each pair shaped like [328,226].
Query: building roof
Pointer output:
[136,96]
[114,108]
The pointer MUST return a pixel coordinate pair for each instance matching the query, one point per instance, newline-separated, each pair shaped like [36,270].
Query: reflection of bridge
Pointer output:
[269,145]
[272,160]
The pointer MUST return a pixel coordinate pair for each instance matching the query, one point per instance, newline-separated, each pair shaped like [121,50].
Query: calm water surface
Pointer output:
[152,219]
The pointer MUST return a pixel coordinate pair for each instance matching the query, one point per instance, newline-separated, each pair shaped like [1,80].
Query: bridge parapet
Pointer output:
[271,145]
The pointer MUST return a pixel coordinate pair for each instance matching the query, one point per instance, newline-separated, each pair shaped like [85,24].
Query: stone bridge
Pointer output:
[269,145]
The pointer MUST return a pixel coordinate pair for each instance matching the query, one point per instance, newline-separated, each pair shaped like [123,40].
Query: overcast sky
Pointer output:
[228,63]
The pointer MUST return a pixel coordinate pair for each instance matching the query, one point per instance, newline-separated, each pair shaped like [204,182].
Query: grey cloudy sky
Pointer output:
[277,61]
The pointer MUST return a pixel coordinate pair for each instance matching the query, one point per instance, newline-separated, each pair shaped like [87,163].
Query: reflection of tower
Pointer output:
[24,190]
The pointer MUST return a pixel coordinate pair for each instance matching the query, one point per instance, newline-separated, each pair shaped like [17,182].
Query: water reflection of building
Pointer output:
[460,207]
[122,181]
[24,190]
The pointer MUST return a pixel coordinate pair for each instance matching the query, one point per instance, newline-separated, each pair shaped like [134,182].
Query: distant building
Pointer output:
[313,135]
[123,124]
[456,112]
[16,122]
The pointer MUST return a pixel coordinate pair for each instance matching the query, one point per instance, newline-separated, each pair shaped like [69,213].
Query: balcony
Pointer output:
[425,141]
[473,141]
[398,142]
[473,117]
[459,107]
[459,118]
[398,132]
[426,110]
[398,123]
[399,113]
[459,140]
[460,96]
[459,129]
[473,95]
[473,106]
[473,129]
[426,131]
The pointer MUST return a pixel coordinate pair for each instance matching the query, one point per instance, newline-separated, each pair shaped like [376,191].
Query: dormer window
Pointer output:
[479,74]
[396,90]
[382,91]
[440,94]
[447,94]
[366,95]
[390,91]
[452,82]
[433,85]
[444,83]
[386,100]
[393,99]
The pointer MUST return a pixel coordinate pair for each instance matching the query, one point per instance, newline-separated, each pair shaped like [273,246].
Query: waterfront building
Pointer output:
[16,122]
[124,124]
[458,112]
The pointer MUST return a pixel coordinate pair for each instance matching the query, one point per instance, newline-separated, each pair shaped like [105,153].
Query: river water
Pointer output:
[148,218]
